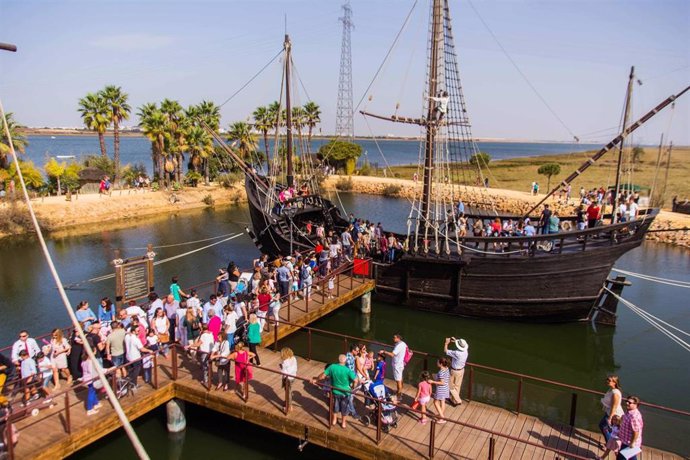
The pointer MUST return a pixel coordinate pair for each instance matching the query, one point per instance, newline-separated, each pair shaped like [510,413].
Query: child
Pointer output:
[28,373]
[614,442]
[147,360]
[46,369]
[331,286]
[423,395]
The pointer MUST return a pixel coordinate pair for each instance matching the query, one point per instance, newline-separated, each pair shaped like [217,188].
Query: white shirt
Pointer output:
[194,303]
[458,359]
[399,354]
[136,310]
[133,346]
[289,366]
[632,210]
[30,345]
[231,322]
[206,342]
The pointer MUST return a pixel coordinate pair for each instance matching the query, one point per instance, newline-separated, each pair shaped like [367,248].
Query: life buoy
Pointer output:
[567,226]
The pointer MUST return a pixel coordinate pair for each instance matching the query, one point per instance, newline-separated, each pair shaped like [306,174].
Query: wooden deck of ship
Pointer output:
[474,430]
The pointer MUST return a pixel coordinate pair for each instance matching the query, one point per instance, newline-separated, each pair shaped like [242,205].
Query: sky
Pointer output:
[531,70]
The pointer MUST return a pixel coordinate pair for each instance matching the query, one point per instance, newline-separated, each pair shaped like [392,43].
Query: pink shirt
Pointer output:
[424,389]
[214,325]
[631,421]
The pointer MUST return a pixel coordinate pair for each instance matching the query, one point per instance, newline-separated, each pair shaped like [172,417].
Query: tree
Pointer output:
[176,125]
[200,145]
[154,125]
[480,159]
[341,154]
[63,174]
[32,175]
[548,170]
[95,116]
[119,109]
[18,139]
[637,154]
[262,123]
[241,138]
[312,116]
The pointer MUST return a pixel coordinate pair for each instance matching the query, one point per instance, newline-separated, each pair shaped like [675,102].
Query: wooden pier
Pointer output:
[473,430]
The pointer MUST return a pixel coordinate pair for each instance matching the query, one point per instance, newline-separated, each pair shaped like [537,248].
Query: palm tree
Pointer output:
[209,112]
[262,123]
[96,116]
[116,100]
[312,116]
[18,139]
[241,137]
[155,127]
[200,146]
[298,120]
[273,115]
[176,128]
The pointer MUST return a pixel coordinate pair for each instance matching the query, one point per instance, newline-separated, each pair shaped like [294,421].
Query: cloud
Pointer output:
[133,42]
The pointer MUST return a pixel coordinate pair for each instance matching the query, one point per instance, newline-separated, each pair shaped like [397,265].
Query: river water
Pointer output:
[137,149]
[648,363]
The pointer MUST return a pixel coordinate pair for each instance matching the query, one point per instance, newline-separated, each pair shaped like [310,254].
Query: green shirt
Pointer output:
[341,378]
[254,333]
[175,291]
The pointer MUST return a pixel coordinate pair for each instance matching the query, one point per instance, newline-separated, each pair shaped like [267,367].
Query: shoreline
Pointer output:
[124,207]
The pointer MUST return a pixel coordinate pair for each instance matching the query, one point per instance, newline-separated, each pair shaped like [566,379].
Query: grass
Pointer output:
[518,173]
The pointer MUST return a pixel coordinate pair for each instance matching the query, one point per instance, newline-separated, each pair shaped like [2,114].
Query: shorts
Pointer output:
[117,360]
[340,403]
[398,373]
[424,400]
[47,380]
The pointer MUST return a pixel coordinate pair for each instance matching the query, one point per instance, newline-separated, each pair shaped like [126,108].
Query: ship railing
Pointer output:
[560,402]
[520,246]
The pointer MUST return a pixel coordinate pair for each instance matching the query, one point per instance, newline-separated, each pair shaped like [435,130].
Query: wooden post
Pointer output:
[174,364]
[288,395]
[246,384]
[469,384]
[378,422]
[573,408]
[8,438]
[330,408]
[519,396]
[337,281]
[289,307]
[308,344]
[209,373]
[68,422]
[432,437]
[113,380]
[275,336]
[306,299]
[155,371]
[492,447]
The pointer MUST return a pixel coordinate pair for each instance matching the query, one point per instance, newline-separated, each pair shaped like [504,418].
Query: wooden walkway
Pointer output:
[45,436]
[301,312]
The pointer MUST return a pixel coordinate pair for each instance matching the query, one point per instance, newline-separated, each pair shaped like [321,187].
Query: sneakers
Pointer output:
[92,412]
[98,406]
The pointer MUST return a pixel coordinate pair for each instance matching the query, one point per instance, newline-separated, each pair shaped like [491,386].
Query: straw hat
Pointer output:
[461,344]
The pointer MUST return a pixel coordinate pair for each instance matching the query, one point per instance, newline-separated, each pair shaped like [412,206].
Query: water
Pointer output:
[648,363]
[208,435]
[137,149]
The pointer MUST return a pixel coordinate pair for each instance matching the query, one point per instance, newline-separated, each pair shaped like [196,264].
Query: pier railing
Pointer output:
[520,393]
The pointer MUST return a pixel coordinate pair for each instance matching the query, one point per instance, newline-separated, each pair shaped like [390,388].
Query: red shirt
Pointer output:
[264,301]
[593,212]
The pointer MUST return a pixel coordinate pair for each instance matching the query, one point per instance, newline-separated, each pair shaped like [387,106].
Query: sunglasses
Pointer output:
[23,336]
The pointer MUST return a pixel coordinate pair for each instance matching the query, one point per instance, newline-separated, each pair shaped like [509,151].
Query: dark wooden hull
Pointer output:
[536,286]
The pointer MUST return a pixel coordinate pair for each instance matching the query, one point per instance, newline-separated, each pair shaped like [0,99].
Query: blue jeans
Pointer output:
[91,398]
[351,405]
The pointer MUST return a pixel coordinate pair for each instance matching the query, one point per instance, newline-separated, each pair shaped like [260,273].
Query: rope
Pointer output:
[251,80]
[136,443]
[529,83]
[654,321]
[182,244]
[158,262]
[656,279]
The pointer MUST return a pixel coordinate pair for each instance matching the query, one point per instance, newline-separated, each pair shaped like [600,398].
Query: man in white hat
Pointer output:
[457,366]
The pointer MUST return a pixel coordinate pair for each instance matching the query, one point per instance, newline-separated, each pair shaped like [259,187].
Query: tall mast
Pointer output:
[437,37]
[626,115]
[288,116]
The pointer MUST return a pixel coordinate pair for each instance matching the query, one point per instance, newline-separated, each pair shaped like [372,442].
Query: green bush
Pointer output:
[227,180]
[192,178]
[344,184]
[105,164]
[208,200]
[391,190]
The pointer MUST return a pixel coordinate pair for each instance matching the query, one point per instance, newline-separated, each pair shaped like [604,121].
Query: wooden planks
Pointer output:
[44,436]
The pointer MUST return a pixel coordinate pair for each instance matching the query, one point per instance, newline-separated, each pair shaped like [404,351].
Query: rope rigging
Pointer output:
[656,279]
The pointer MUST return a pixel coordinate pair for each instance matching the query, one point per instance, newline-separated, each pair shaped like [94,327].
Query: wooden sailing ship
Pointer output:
[548,278]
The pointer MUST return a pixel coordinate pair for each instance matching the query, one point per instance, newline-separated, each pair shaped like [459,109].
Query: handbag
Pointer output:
[164,337]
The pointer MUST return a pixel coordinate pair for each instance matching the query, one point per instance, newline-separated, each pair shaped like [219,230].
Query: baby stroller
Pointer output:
[389,414]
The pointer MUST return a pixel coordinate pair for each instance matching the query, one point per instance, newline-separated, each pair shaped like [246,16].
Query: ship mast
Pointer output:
[436,43]
[626,115]
[288,114]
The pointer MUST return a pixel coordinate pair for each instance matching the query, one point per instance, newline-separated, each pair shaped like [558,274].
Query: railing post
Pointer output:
[275,336]
[68,421]
[174,364]
[426,362]
[308,344]
[8,437]
[306,299]
[289,307]
[432,437]
[378,422]
[155,371]
[470,383]
[288,395]
[492,447]
[519,396]
[330,408]
[352,275]
[337,282]
[246,384]
[113,379]
[573,408]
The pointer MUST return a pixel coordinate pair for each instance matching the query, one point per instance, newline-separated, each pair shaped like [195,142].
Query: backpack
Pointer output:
[408,355]
[304,272]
